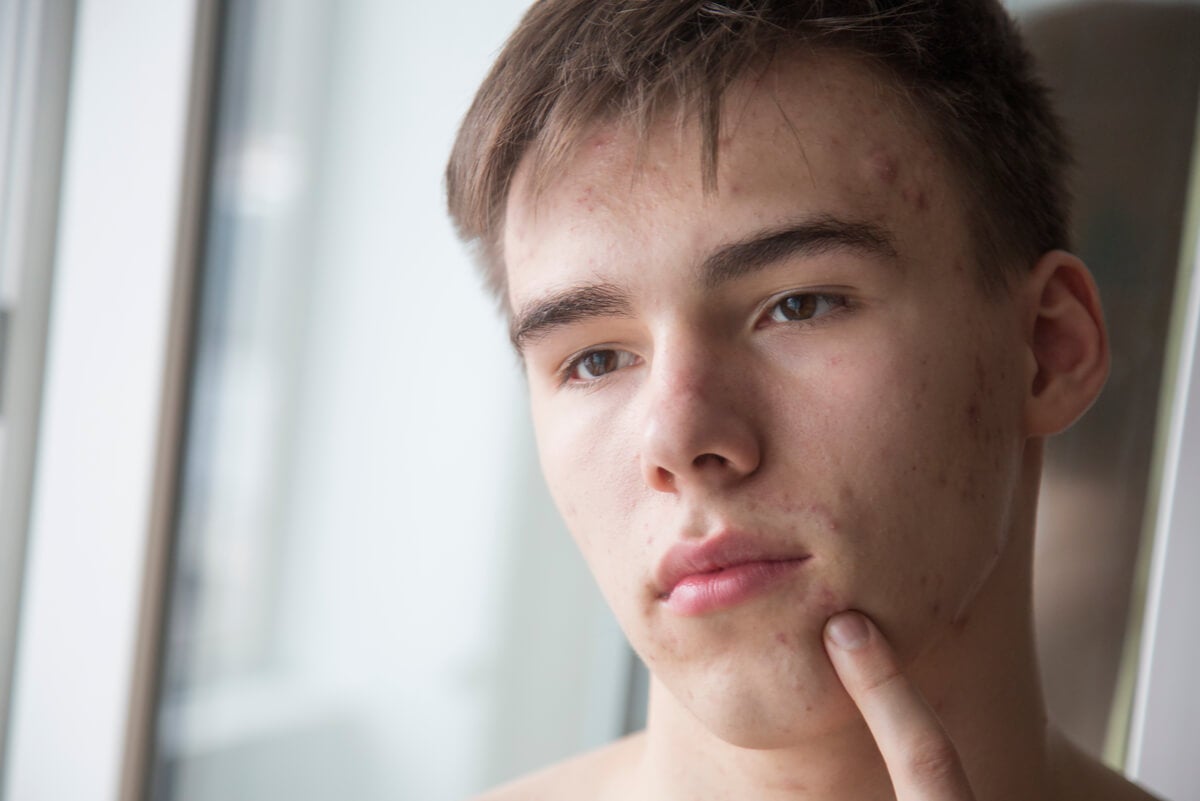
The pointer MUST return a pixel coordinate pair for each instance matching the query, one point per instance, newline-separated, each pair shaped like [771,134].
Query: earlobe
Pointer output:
[1067,342]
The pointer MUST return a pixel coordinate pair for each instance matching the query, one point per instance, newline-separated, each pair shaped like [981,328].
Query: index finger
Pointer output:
[921,759]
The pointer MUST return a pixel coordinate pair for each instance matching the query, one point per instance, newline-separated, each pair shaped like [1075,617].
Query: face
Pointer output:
[761,405]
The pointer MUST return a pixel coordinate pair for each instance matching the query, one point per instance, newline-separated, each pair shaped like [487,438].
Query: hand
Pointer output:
[921,760]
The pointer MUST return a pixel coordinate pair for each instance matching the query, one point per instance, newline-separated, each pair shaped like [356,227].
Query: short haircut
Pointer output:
[573,64]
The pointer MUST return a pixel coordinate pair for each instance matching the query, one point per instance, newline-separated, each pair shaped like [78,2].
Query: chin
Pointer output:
[764,701]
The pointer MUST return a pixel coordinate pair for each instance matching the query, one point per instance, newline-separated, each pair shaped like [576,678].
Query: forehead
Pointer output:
[815,136]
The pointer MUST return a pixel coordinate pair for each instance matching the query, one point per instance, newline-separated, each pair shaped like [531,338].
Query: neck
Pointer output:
[981,678]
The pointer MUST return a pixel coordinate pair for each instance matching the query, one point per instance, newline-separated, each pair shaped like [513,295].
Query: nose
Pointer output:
[699,429]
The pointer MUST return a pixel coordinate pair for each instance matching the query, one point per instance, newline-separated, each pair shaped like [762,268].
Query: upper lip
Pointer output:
[727,549]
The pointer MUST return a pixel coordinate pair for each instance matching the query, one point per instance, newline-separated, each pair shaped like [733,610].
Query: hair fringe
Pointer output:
[573,64]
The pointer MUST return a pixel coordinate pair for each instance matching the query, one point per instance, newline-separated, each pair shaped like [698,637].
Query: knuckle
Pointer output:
[932,760]
[887,676]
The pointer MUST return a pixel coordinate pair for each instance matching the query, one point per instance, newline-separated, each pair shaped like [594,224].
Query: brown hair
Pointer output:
[573,63]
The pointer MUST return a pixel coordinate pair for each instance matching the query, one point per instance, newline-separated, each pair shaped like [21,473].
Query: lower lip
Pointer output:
[702,593]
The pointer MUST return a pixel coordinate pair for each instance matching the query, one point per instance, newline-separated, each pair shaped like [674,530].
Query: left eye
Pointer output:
[596,364]
[804,306]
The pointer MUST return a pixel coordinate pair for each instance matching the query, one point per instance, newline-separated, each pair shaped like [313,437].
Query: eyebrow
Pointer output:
[575,304]
[810,237]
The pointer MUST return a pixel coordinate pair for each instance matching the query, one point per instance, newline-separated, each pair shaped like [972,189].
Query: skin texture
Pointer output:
[892,434]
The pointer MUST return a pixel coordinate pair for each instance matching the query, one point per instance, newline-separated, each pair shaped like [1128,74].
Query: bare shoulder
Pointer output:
[1082,778]
[595,776]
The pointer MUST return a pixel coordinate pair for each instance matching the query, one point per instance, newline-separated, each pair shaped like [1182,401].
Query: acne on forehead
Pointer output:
[886,170]
[883,166]
[885,160]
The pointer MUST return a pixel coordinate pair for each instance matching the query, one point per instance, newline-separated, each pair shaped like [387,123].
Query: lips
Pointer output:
[723,571]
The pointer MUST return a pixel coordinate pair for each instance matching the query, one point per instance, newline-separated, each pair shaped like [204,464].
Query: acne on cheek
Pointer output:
[828,603]
[931,592]
[825,605]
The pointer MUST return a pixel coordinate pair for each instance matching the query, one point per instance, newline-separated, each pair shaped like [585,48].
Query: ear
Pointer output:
[1067,343]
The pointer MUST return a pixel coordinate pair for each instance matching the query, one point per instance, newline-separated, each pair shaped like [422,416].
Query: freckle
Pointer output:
[924,579]
[936,609]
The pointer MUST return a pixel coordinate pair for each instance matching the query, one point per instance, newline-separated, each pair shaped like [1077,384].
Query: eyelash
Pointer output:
[568,369]
[836,303]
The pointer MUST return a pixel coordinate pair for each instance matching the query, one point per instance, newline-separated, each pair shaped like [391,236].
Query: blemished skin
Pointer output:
[846,405]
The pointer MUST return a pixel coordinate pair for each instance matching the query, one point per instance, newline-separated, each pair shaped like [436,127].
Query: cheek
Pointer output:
[596,488]
[926,452]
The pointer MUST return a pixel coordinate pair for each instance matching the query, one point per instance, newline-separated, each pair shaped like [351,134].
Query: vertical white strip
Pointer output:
[104,385]
[1165,729]
[28,229]
[19,95]
[13,45]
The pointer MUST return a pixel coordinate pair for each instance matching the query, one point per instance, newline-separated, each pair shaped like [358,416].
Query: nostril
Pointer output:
[710,458]
[664,479]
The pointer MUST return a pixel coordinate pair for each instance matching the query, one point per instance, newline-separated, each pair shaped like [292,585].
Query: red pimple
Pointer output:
[884,167]
[827,602]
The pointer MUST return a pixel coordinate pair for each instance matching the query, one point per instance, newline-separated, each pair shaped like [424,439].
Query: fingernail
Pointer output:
[848,630]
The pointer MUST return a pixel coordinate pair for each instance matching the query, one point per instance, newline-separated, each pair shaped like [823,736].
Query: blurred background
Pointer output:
[271,523]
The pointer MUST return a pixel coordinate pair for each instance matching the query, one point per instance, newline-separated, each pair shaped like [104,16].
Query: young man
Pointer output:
[790,284]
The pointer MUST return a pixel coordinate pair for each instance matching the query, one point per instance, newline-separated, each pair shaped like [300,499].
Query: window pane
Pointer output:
[1126,79]
[349,616]
[35,56]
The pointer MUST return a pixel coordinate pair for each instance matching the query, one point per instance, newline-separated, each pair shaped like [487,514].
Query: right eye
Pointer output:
[596,364]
